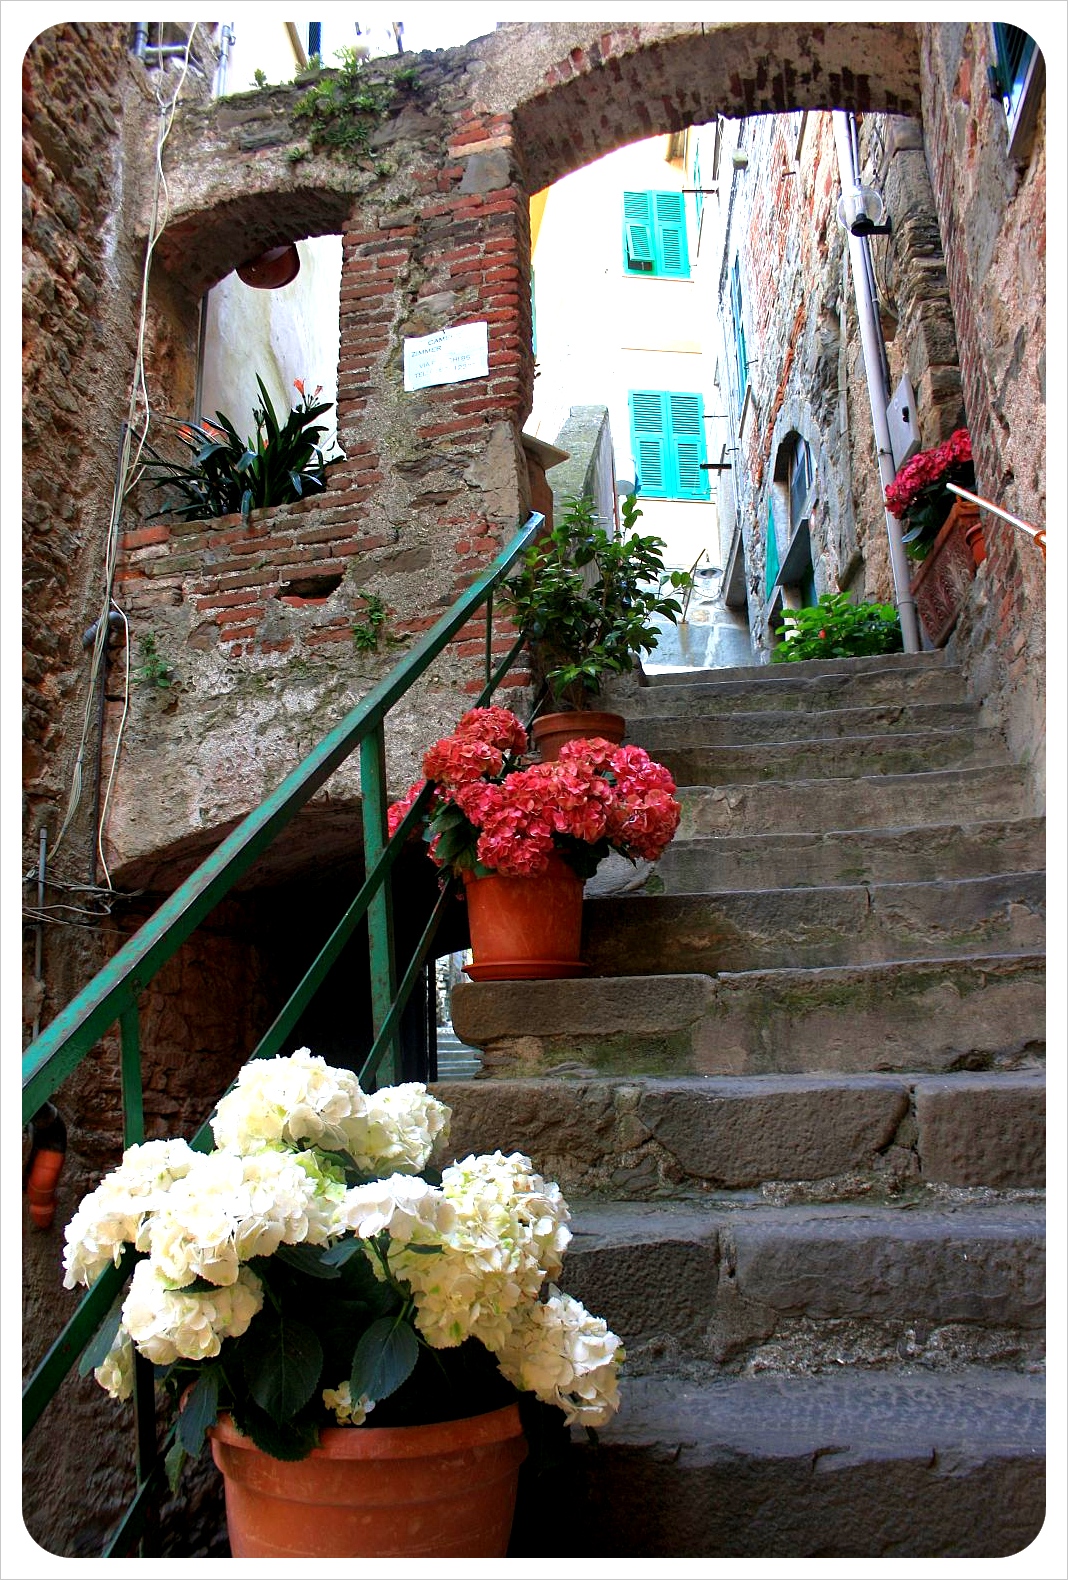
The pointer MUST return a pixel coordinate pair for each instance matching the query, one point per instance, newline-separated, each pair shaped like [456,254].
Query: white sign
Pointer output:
[447,357]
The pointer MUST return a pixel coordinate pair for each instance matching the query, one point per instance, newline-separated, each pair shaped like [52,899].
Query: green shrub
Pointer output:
[836,627]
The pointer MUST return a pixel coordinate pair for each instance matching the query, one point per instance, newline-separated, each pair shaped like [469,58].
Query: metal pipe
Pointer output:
[874,361]
[140,39]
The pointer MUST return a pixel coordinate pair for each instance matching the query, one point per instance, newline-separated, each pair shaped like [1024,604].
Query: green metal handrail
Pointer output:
[114,992]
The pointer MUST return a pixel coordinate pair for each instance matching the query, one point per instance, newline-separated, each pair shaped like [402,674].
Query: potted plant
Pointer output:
[525,838]
[944,533]
[278,464]
[918,496]
[350,1328]
[585,600]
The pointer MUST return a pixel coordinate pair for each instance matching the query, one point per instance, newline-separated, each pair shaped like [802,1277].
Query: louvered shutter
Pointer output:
[638,249]
[771,555]
[688,443]
[672,257]
[649,442]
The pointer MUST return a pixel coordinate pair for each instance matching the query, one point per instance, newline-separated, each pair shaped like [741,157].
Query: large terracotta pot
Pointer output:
[549,732]
[527,927]
[941,581]
[442,1491]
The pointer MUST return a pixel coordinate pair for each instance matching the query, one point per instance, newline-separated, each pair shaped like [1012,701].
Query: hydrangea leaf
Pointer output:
[385,1357]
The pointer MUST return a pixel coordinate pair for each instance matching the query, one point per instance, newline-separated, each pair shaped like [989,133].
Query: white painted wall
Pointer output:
[291,333]
[602,332]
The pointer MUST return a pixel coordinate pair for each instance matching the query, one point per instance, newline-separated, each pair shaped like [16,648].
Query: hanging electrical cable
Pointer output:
[137,420]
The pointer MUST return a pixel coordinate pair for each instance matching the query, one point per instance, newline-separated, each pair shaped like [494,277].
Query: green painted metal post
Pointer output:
[380,910]
[133,1100]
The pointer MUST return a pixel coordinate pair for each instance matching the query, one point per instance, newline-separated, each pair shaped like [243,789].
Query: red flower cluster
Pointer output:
[512,818]
[928,470]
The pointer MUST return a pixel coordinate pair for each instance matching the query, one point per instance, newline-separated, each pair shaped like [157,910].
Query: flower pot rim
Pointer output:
[393,1442]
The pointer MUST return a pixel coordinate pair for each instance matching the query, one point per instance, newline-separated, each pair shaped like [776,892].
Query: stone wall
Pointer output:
[992,212]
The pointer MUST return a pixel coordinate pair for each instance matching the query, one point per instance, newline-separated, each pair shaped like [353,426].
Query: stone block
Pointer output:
[985,1129]
[741,1132]
[813,1467]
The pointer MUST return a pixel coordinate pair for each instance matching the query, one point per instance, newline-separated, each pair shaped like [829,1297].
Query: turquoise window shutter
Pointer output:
[654,235]
[672,257]
[739,329]
[668,443]
[688,439]
[647,432]
[639,254]
[771,555]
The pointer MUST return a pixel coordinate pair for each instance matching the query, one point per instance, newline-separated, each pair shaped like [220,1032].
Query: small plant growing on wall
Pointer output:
[279,463]
[836,627]
[154,670]
[369,626]
[342,108]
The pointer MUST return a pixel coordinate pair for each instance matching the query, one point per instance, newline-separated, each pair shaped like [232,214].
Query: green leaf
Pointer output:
[96,1351]
[201,1410]
[289,1441]
[283,1361]
[385,1357]
[174,1464]
[308,1259]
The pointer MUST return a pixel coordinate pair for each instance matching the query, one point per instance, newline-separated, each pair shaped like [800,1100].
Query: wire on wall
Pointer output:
[130,451]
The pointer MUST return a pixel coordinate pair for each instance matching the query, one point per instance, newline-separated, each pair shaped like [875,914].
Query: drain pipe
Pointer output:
[874,362]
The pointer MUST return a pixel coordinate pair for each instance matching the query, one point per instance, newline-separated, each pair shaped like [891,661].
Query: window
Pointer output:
[315,39]
[654,235]
[739,330]
[667,439]
[800,481]
[1016,78]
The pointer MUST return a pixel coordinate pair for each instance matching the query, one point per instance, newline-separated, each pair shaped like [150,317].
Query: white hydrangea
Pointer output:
[167,1324]
[117,1212]
[233,1208]
[339,1400]
[116,1371]
[565,1356]
[409,1208]
[289,1100]
[400,1127]
[508,1236]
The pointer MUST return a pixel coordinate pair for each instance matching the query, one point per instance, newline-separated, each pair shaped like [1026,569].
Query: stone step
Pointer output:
[920,1015]
[884,801]
[837,757]
[839,1466]
[812,1287]
[939,851]
[850,683]
[859,924]
[667,730]
[456,1061]
[642,1137]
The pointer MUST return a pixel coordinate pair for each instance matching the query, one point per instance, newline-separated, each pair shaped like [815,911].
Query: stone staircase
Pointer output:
[798,1110]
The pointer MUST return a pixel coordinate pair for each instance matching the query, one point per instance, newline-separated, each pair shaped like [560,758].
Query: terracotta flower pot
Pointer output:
[443,1491]
[528,927]
[941,581]
[549,732]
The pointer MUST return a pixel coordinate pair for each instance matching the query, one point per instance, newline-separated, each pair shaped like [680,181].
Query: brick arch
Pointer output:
[204,244]
[582,90]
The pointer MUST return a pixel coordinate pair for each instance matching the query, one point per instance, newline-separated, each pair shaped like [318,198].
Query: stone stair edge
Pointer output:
[806,668]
